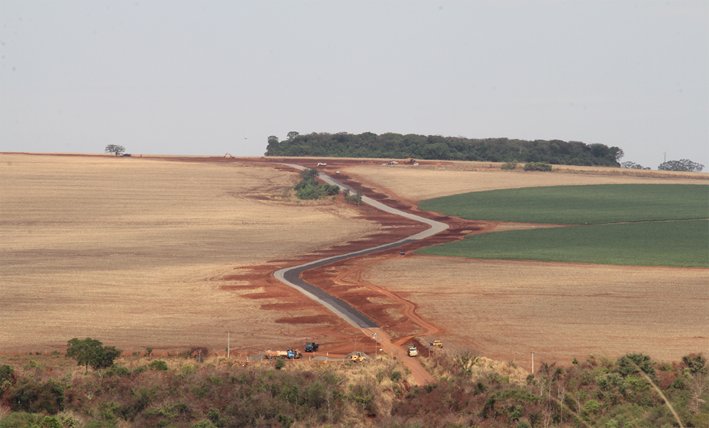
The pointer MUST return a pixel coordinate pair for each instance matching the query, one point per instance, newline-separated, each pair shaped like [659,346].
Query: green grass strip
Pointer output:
[674,243]
[594,204]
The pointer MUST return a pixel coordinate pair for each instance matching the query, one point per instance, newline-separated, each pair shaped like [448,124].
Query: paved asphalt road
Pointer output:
[291,275]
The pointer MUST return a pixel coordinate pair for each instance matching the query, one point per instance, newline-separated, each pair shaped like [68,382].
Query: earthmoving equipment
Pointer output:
[358,357]
[437,344]
[311,347]
[292,354]
[413,352]
[402,252]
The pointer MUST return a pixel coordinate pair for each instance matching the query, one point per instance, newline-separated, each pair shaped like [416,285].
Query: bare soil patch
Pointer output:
[139,252]
[506,310]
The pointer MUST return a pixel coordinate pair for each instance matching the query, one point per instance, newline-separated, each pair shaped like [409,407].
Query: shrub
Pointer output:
[509,166]
[38,398]
[280,363]
[537,166]
[309,188]
[158,365]
[630,364]
[695,363]
[355,199]
[7,377]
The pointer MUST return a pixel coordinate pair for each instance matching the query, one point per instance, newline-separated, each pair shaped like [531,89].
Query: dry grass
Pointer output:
[425,182]
[124,249]
[506,310]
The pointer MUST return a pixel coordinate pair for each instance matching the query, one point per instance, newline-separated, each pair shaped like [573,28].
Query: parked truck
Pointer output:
[291,354]
[311,347]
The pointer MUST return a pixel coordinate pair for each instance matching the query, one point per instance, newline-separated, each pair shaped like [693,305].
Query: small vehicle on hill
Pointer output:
[311,347]
[413,351]
[437,344]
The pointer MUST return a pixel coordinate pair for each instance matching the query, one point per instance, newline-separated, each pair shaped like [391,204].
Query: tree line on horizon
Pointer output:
[393,145]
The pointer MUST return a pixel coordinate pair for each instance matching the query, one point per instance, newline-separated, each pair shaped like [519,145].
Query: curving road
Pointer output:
[291,275]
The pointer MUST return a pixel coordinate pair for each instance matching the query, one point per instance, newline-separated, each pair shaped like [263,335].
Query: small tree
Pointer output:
[681,165]
[91,352]
[115,149]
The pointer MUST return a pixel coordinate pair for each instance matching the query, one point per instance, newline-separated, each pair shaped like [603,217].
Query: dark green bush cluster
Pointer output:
[392,145]
[309,188]
[537,166]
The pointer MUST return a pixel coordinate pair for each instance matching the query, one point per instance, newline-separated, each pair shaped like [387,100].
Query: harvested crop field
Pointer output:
[134,252]
[508,309]
[430,181]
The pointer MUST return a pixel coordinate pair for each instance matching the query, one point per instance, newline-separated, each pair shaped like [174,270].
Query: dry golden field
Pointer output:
[508,309]
[123,249]
[429,181]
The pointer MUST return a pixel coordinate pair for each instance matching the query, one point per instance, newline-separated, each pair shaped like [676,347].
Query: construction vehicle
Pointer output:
[311,347]
[437,344]
[291,354]
[413,352]
[358,357]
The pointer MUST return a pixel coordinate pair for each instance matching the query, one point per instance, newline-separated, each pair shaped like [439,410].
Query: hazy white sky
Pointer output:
[208,77]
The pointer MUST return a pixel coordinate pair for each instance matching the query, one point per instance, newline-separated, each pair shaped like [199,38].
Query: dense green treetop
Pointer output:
[391,145]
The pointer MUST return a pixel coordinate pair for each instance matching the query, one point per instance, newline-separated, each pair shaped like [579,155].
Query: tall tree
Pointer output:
[91,352]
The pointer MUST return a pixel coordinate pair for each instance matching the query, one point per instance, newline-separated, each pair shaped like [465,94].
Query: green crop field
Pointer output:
[579,204]
[677,243]
[649,225]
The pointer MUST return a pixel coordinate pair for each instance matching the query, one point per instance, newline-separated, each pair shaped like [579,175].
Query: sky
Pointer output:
[210,77]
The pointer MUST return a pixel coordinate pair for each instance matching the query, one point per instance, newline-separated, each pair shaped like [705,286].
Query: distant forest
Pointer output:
[391,145]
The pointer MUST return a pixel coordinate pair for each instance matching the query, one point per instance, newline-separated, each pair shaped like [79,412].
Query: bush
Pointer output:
[158,365]
[38,398]
[7,377]
[537,166]
[509,165]
[309,188]
[355,199]
[630,364]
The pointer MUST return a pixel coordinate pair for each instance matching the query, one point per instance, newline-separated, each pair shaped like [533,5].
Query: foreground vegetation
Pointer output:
[392,145]
[48,391]
[593,204]
[678,243]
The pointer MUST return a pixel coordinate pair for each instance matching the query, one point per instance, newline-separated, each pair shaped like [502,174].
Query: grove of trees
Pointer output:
[392,145]
[681,165]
